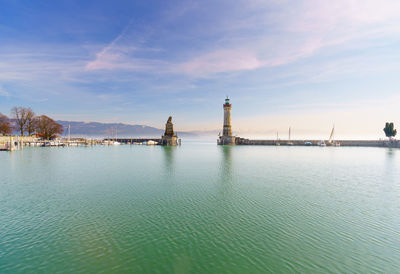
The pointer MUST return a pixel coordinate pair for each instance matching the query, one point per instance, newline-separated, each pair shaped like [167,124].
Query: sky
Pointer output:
[300,64]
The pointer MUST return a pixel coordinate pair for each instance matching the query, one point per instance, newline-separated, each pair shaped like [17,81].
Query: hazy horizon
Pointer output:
[305,64]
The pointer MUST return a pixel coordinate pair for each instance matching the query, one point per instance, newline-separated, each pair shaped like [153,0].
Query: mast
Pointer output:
[69,133]
[332,134]
[289,133]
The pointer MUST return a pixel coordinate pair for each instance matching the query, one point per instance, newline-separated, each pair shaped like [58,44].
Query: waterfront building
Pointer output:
[169,138]
[227,138]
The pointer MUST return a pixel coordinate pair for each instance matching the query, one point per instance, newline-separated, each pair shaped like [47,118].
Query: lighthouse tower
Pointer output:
[227,118]
[227,138]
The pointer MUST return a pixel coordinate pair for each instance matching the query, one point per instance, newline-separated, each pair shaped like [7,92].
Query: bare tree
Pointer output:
[47,128]
[30,122]
[5,126]
[24,118]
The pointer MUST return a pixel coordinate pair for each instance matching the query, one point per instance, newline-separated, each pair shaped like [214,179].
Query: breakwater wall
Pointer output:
[346,143]
[10,143]
[6,139]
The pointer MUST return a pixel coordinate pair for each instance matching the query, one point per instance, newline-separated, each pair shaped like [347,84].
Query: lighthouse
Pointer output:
[227,138]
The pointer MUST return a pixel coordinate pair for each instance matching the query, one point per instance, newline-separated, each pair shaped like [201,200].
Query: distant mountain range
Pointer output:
[96,129]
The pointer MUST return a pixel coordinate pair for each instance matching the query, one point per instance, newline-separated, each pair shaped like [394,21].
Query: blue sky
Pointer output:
[304,64]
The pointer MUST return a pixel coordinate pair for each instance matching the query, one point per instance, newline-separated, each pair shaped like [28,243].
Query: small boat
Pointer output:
[308,143]
[322,143]
[4,148]
[151,142]
[290,143]
[331,140]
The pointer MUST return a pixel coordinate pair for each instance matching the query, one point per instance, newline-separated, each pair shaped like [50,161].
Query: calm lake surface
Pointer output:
[200,208]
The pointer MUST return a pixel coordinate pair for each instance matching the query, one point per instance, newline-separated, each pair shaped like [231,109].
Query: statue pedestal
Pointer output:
[227,140]
[169,140]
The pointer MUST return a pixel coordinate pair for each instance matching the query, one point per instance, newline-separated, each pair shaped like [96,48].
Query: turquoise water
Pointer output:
[200,208]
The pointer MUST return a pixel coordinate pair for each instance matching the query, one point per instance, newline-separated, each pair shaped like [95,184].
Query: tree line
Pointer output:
[26,122]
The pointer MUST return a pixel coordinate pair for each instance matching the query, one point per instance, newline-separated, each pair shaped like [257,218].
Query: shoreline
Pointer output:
[31,141]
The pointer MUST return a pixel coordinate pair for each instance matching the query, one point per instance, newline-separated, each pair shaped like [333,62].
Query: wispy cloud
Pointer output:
[257,37]
[220,61]
[4,92]
[46,62]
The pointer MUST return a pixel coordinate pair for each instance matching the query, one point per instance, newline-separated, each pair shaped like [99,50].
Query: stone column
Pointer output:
[169,138]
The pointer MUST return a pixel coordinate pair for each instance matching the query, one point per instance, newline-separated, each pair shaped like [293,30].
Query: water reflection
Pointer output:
[169,161]
[390,164]
[226,165]
[390,153]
